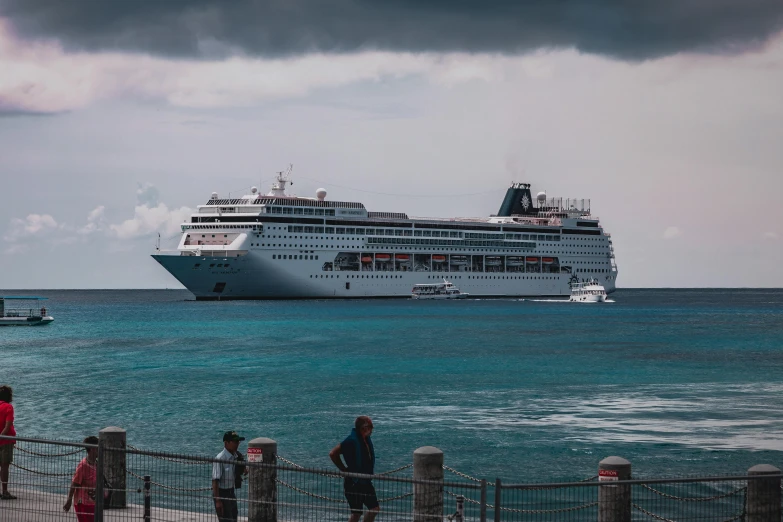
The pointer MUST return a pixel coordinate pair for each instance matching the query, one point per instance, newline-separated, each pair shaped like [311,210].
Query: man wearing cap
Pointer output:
[223,478]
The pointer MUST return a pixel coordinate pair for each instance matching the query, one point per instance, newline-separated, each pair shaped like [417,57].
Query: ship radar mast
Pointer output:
[283,177]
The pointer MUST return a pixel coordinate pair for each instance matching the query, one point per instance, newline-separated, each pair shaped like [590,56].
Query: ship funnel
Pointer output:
[518,201]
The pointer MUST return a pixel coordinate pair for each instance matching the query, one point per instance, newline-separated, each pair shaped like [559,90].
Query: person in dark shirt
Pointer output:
[359,455]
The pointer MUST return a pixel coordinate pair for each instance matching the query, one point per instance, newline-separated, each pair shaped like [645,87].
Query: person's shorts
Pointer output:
[360,494]
[85,512]
[6,453]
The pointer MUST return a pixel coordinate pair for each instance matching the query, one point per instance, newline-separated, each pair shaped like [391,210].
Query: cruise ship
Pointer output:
[279,246]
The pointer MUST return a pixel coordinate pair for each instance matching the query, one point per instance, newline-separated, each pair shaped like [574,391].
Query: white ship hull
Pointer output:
[25,321]
[588,299]
[258,276]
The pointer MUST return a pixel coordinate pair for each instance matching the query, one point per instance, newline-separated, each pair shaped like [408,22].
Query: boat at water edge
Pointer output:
[588,292]
[444,290]
[23,311]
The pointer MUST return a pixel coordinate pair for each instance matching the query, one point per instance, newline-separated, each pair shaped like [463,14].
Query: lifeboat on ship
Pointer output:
[532,260]
[438,259]
[402,257]
[383,258]
[493,261]
[547,260]
[514,261]
[459,260]
[366,259]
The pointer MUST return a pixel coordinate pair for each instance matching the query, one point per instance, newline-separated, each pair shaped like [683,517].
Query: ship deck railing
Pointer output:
[22,312]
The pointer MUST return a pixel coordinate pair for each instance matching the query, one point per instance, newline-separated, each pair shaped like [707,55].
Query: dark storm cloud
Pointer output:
[629,29]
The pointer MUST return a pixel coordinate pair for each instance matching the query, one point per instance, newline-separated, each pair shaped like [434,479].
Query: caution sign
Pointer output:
[608,475]
[255,454]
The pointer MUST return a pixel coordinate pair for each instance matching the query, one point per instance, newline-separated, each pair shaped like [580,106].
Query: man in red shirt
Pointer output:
[6,445]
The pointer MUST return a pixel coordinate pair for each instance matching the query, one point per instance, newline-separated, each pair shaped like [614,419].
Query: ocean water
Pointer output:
[680,382]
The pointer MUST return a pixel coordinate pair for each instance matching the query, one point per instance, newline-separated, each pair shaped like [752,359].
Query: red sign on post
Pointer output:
[607,475]
[255,454]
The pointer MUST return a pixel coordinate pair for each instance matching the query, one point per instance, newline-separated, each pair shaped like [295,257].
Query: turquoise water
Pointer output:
[679,382]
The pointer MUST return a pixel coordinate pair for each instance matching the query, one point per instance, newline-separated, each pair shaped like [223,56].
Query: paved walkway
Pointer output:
[35,506]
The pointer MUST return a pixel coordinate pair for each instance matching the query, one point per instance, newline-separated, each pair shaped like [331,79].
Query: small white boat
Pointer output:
[32,313]
[444,290]
[588,292]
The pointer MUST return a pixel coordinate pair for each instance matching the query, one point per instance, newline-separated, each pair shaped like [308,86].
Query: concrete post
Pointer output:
[428,498]
[115,464]
[614,501]
[262,485]
[763,497]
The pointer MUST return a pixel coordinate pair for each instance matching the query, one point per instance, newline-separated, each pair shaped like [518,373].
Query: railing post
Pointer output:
[498,491]
[460,514]
[483,512]
[99,478]
[763,498]
[113,440]
[262,480]
[147,503]
[428,498]
[614,501]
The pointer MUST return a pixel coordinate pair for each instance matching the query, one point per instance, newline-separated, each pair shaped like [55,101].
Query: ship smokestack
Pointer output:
[518,201]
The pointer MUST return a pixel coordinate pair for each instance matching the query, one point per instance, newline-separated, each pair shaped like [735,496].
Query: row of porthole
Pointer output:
[511,277]
[412,247]
[349,276]
[442,249]
[292,256]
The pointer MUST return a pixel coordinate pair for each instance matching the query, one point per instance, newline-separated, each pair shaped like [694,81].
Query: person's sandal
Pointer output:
[8,496]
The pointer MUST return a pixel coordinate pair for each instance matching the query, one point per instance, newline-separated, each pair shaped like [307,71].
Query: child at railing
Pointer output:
[83,485]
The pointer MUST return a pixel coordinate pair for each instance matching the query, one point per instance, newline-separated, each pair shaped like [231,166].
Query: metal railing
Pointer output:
[167,486]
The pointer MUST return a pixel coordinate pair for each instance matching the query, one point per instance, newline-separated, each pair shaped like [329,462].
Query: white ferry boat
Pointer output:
[280,246]
[588,292]
[444,290]
[23,311]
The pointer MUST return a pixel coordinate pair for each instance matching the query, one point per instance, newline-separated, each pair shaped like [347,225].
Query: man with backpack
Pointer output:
[359,455]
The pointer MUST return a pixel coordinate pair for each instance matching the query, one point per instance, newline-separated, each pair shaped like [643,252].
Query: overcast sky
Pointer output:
[118,118]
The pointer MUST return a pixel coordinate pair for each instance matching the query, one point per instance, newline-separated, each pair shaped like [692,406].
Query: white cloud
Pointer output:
[95,222]
[672,232]
[148,220]
[32,225]
[147,194]
[770,235]
[150,216]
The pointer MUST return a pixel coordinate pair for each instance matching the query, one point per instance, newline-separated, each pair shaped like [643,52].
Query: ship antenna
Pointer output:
[283,177]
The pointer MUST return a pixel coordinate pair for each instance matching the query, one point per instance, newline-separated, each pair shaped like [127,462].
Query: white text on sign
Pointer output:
[255,454]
